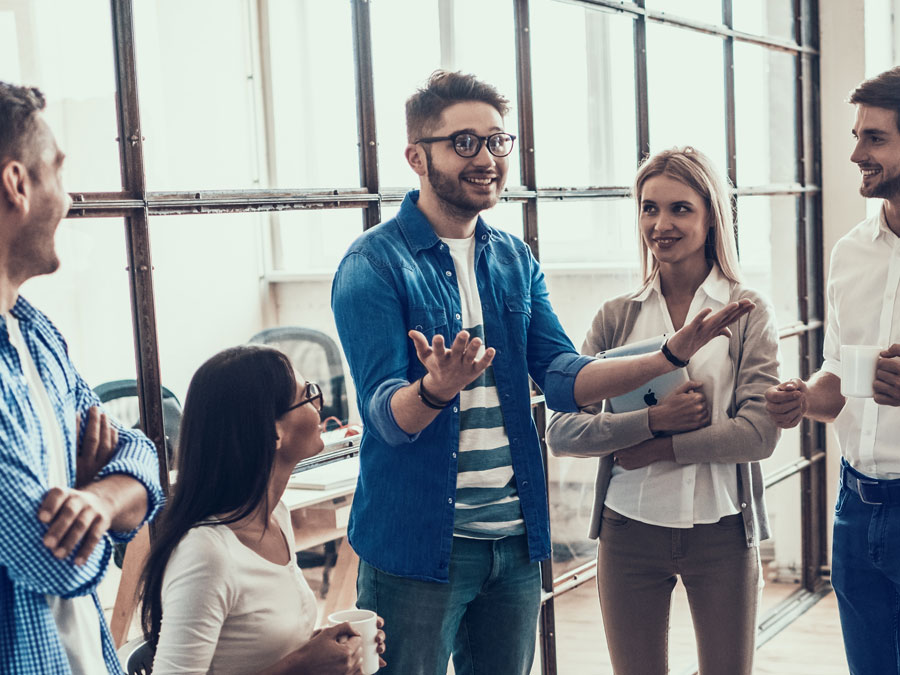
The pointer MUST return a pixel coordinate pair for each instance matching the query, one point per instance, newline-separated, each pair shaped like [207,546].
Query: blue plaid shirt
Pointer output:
[29,641]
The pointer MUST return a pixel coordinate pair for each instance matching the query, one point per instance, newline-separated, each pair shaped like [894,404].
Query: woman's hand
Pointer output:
[336,650]
[646,453]
[684,409]
[706,326]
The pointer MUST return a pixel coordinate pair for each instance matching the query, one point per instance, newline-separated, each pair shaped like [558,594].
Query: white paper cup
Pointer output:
[858,365]
[363,622]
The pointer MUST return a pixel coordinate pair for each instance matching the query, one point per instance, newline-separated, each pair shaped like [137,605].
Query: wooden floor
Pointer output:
[811,645]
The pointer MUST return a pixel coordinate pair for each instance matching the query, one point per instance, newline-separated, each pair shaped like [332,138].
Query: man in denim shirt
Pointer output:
[450,516]
[58,506]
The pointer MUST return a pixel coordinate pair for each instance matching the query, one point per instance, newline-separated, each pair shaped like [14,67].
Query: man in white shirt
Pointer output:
[864,309]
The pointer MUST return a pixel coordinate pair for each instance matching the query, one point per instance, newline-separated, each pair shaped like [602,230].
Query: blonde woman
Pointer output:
[679,490]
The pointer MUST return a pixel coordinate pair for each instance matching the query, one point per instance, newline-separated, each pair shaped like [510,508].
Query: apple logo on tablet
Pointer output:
[650,397]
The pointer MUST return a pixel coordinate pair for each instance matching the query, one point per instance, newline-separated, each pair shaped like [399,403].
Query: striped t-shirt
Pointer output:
[487,501]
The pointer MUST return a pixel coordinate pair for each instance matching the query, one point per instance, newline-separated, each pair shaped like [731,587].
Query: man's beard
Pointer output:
[452,194]
[887,189]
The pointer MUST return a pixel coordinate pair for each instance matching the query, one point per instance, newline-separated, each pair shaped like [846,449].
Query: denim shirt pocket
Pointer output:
[518,318]
[429,321]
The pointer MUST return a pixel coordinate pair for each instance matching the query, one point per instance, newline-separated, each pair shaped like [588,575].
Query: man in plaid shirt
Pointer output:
[70,480]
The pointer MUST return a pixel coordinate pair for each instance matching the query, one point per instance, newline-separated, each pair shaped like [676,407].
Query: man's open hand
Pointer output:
[451,369]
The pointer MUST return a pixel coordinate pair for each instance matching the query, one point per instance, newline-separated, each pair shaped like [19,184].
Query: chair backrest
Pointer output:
[137,657]
[318,358]
[120,398]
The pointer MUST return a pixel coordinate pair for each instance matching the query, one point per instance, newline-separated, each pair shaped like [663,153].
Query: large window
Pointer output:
[222,156]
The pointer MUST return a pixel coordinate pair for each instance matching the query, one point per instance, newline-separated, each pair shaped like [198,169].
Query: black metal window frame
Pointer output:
[135,203]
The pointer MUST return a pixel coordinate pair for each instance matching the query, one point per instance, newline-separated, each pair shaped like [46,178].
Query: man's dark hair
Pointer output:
[881,91]
[18,111]
[443,89]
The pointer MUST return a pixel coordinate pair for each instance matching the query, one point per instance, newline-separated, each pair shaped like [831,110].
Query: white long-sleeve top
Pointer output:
[226,609]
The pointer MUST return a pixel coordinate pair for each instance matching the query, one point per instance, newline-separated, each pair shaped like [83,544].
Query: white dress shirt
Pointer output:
[863,309]
[667,493]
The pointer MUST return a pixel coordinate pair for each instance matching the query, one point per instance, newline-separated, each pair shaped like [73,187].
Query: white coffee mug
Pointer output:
[858,365]
[363,622]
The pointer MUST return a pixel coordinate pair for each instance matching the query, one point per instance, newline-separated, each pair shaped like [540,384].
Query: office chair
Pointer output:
[137,657]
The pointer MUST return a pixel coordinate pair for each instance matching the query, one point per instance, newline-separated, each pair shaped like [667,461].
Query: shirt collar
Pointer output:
[716,286]
[22,310]
[418,230]
[881,228]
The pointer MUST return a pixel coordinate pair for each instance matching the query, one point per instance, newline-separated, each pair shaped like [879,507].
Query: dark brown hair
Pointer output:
[226,452]
[881,91]
[443,89]
[19,107]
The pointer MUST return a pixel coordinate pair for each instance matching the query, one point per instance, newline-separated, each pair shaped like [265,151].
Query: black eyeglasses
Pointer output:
[467,144]
[312,394]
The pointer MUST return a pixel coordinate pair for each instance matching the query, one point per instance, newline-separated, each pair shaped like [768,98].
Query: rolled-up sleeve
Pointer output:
[135,456]
[592,432]
[559,383]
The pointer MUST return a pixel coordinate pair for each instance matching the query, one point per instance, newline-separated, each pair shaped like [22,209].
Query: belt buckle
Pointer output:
[861,483]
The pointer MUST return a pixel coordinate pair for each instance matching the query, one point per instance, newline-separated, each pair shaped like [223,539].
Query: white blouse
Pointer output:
[226,609]
[667,493]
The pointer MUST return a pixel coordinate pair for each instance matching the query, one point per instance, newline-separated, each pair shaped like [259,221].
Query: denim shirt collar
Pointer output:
[420,234]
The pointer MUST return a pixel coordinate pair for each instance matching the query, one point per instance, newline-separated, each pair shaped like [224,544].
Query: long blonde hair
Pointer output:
[691,167]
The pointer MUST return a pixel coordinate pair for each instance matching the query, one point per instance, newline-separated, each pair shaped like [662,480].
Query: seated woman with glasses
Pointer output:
[221,589]
[679,490]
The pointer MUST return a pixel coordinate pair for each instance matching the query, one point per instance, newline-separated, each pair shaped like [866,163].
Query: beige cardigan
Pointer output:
[747,436]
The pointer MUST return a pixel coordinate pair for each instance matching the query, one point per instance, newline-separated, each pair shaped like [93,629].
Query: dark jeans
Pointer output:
[865,573]
[486,616]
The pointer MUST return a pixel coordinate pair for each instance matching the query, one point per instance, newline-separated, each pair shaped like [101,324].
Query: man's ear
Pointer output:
[415,155]
[14,186]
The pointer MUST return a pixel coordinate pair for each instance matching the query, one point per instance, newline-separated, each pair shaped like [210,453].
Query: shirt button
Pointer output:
[450,500]
[441,247]
[483,237]
[455,409]
[743,505]
[449,273]
[524,483]
[454,455]
[458,316]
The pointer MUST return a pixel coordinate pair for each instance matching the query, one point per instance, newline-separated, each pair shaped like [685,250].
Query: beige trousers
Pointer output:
[637,568]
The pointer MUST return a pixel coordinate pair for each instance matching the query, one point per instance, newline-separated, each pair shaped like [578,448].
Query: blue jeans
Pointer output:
[865,573]
[486,615]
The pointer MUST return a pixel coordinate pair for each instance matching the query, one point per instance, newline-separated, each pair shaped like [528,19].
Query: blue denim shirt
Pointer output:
[399,276]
